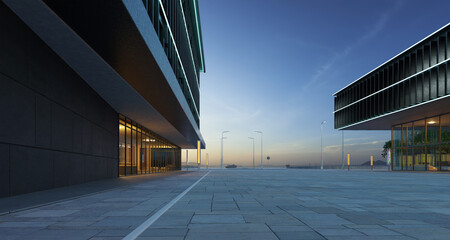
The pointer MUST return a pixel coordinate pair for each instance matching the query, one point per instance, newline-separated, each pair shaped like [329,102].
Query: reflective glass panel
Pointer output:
[433,157]
[138,152]
[445,128]
[133,153]
[445,156]
[419,158]
[432,130]
[128,154]
[141,151]
[122,150]
[419,132]
[396,148]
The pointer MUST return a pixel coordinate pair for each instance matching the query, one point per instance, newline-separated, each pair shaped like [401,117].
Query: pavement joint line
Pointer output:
[141,228]
[312,228]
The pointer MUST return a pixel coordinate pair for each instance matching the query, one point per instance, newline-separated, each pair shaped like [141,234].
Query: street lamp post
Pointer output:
[321,143]
[342,149]
[261,147]
[253,151]
[221,149]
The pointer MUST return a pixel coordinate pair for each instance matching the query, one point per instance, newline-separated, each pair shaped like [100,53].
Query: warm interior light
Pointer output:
[431,122]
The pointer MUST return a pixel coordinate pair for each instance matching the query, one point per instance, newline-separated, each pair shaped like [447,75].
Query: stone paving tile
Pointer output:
[358,226]
[321,227]
[301,235]
[128,213]
[293,207]
[49,213]
[321,219]
[46,234]
[105,238]
[231,235]
[224,228]
[7,218]
[328,232]
[70,224]
[408,222]
[160,238]
[210,218]
[113,233]
[164,232]
[90,213]
[378,232]
[326,210]
[425,233]
[174,219]
[17,233]
[289,228]
[362,219]
[356,209]
[253,204]
[389,237]
[273,219]
[25,224]
[119,222]
[106,215]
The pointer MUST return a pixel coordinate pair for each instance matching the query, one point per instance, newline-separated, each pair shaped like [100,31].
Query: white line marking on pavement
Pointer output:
[141,228]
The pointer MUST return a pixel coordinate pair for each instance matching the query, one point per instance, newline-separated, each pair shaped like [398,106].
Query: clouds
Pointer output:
[274,67]
[374,30]
[354,146]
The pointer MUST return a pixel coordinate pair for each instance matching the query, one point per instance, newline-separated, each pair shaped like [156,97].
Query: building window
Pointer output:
[142,151]
[422,145]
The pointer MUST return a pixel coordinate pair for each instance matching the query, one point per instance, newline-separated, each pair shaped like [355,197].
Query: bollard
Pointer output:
[348,161]
[371,163]
[198,154]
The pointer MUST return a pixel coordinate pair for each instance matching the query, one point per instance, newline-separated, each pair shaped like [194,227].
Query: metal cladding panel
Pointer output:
[416,112]
[157,106]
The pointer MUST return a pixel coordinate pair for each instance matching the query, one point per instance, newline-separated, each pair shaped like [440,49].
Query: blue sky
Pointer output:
[273,65]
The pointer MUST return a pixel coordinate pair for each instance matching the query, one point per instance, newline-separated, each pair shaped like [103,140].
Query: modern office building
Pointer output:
[96,89]
[409,95]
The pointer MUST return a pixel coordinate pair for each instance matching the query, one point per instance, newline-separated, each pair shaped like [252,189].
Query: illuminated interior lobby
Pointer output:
[141,151]
[422,145]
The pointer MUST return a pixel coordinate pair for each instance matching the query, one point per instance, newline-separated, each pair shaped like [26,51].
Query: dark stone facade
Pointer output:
[54,129]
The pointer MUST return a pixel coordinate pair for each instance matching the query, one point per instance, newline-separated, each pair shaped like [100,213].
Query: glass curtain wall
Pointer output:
[142,152]
[396,147]
[177,37]
[422,145]
[445,142]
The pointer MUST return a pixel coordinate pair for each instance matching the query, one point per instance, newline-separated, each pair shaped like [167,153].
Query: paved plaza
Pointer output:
[251,204]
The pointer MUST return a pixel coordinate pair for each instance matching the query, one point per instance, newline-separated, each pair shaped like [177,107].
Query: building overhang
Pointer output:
[416,112]
[391,59]
[158,105]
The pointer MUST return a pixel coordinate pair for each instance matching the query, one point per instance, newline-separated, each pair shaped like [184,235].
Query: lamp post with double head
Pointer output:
[261,147]
[221,148]
[253,150]
[321,143]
